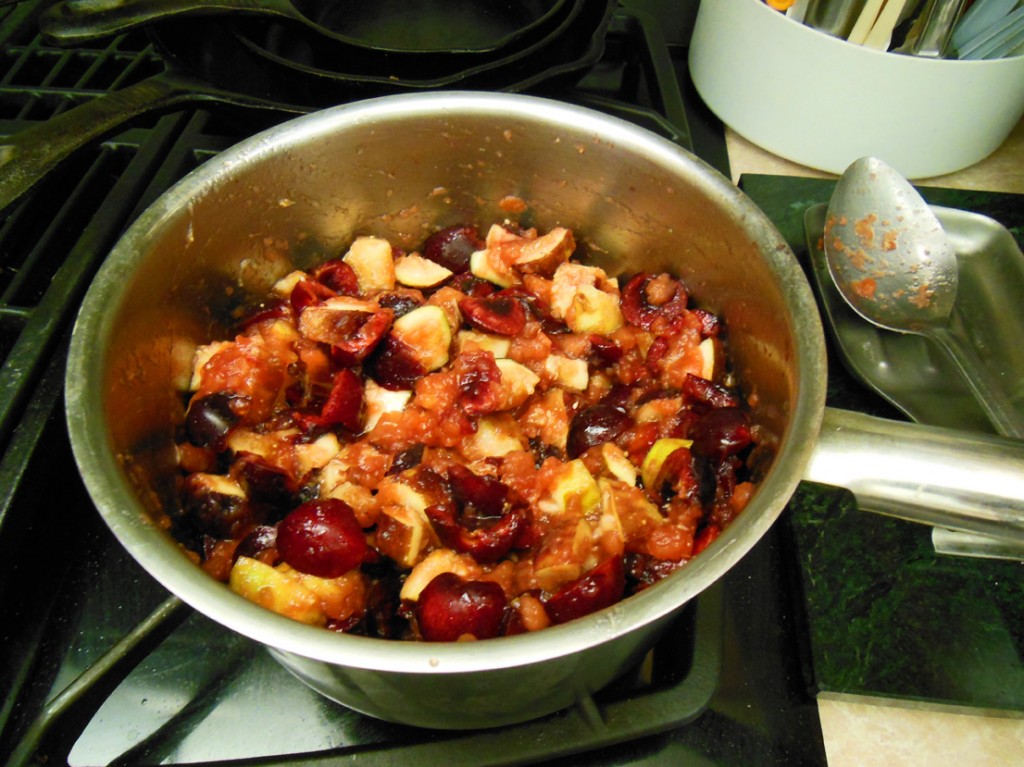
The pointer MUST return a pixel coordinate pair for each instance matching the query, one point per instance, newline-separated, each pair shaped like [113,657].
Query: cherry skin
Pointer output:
[450,607]
[322,538]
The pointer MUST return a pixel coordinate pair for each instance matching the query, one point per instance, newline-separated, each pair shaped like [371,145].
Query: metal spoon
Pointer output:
[893,263]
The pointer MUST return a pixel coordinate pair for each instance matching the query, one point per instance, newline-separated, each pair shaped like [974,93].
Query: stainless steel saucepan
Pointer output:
[399,167]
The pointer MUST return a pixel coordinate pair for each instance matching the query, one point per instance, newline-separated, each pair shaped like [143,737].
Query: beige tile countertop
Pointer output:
[870,732]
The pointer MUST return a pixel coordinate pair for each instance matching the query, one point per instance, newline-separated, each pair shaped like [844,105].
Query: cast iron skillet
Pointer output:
[319,65]
[383,28]
[209,63]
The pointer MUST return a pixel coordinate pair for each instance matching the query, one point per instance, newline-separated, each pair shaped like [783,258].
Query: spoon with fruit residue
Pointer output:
[894,264]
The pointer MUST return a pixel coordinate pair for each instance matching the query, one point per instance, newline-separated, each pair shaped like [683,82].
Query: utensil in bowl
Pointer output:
[298,193]
[893,263]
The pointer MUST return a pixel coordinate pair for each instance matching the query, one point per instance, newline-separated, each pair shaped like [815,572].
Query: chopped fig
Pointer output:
[574,490]
[496,345]
[275,590]
[486,265]
[542,255]
[372,260]
[354,326]
[518,382]
[496,435]
[418,272]
[568,372]
[594,311]
[380,400]
[436,562]
[426,332]
[655,459]
[567,282]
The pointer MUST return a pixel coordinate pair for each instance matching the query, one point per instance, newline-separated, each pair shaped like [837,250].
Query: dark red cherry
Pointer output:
[601,587]
[322,538]
[501,315]
[706,392]
[209,420]
[338,276]
[721,433]
[345,402]
[452,247]
[594,426]
[648,298]
[450,607]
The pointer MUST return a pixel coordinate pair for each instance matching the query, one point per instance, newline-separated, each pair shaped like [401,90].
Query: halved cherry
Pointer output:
[479,381]
[706,392]
[721,433]
[602,587]
[338,276]
[451,247]
[594,426]
[498,314]
[648,298]
[345,402]
[485,543]
[308,293]
[365,332]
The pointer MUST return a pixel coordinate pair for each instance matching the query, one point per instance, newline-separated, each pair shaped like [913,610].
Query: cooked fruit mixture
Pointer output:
[478,439]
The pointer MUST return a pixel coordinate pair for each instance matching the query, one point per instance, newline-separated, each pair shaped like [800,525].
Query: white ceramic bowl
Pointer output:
[823,102]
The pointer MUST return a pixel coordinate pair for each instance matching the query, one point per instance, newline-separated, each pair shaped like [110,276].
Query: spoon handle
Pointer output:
[992,397]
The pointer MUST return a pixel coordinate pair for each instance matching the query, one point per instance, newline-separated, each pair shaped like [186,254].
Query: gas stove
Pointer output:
[99,665]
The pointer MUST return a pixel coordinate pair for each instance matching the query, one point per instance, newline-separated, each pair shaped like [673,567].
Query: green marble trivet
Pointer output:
[885,616]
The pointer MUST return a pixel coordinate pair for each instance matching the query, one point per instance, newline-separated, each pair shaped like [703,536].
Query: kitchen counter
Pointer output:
[867,730]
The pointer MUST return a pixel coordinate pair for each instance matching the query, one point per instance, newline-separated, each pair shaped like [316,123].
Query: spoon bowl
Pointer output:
[893,263]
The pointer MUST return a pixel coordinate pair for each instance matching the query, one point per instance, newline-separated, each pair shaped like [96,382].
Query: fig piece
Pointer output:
[415,271]
[418,344]
[352,327]
[372,261]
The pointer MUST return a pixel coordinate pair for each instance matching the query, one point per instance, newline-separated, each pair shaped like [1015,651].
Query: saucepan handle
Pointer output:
[940,477]
[29,155]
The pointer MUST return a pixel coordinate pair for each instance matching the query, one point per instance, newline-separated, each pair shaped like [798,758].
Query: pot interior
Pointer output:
[401,167]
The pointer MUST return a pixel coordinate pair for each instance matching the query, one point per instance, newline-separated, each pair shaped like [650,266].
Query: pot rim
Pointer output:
[161,557]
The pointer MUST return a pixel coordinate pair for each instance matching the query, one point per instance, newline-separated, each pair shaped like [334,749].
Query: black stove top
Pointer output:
[99,666]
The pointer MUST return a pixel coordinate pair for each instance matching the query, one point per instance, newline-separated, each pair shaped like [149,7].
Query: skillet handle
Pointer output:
[940,477]
[30,154]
